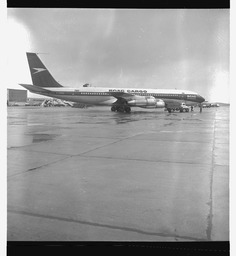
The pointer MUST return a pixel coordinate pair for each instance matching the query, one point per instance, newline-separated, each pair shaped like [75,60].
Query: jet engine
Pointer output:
[146,102]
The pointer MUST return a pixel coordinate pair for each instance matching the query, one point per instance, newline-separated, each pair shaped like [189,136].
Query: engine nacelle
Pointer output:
[146,102]
[160,103]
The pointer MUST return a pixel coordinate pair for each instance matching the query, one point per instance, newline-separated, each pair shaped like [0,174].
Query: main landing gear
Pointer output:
[121,109]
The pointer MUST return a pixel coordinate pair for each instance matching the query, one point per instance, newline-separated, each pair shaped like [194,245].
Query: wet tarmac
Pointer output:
[95,175]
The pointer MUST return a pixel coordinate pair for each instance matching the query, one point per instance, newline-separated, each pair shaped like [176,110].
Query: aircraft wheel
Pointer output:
[127,109]
[181,110]
[113,108]
[169,110]
[121,109]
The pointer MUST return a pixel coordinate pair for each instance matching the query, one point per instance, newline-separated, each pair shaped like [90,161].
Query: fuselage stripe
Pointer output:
[191,97]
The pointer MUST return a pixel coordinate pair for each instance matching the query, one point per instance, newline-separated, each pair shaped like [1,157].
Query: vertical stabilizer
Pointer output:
[39,73]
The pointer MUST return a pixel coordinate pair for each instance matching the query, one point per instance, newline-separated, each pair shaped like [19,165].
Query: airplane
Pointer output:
[120,99]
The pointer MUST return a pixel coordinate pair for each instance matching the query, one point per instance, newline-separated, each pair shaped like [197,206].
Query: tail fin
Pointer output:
[39,73]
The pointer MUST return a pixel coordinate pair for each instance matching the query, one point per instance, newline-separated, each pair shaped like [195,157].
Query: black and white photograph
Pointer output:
[118,125]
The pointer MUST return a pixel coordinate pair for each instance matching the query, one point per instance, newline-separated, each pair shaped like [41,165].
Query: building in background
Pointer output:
[16,97]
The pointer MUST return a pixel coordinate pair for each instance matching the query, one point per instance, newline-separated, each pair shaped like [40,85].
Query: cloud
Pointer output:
[156,48]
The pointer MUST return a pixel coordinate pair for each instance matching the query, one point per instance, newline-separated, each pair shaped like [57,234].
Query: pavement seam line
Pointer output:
[103,225]
[35,168]
[210,214]
[108,144]
[142,160]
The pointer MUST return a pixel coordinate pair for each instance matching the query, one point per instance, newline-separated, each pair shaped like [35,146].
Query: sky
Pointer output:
[139,48]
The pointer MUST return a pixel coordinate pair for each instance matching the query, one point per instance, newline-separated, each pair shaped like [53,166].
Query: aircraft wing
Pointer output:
[129,99]
[123,95]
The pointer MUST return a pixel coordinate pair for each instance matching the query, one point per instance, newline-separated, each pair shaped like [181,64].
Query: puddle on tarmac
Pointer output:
[168,124]
[43,137]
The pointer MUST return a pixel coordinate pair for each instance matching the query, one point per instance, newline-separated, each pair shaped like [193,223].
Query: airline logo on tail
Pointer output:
[38,70]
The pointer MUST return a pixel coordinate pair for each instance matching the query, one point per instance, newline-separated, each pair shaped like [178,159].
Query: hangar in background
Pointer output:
[16,96]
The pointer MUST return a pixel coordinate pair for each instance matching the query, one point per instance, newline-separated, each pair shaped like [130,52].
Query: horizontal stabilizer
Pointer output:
[34,88]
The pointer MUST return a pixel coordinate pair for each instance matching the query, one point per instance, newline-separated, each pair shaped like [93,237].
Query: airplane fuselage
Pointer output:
[103,96]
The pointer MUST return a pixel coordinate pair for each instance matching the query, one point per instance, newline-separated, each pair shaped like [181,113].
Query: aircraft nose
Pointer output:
[201,99]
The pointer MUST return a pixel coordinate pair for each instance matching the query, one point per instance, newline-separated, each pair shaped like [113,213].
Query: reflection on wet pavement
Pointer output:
[43,137]
[91,174]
